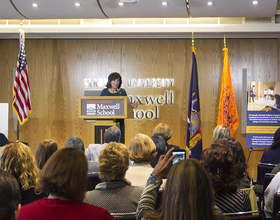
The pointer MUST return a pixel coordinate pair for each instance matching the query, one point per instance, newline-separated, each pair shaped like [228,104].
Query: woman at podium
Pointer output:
[113,88]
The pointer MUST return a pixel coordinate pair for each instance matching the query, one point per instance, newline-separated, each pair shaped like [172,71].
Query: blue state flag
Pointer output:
[194,138]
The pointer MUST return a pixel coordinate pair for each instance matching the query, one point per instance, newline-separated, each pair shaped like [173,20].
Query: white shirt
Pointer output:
[93,151]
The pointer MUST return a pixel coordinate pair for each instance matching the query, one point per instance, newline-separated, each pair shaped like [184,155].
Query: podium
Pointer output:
[103,111]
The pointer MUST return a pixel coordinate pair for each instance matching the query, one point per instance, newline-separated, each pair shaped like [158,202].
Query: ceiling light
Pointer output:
[120,3]
[77,4]
[255,2]
[35,5]
[164,3]
[209,3]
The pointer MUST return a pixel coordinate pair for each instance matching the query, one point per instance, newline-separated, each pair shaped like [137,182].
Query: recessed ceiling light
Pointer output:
[77,4]
[255,2]
[164,3]
[209,3]
[120,3]
[35,5]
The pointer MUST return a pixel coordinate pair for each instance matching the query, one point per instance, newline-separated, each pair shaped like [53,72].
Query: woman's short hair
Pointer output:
[276,140]
[238,155]
[65,174]
[218,160]
[44,150]
[163,130]
[17,159]
[221,131]
[113,76]
[113,161]
[113,133]
[188,185]
[142,149]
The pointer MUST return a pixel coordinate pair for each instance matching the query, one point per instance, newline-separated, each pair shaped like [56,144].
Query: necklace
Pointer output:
[112,91]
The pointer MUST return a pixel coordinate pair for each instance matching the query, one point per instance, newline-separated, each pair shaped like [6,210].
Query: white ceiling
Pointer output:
[65,9]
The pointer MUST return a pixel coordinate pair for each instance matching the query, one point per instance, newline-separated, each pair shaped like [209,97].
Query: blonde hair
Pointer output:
[142,149]
[163,130]
[17,159]
[113,161]
[221,131]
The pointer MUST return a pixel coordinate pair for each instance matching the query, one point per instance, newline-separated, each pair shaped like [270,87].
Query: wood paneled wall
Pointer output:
[57,69]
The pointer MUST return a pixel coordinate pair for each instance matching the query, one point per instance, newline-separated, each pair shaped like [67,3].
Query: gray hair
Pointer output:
[160,143]
[112,134]
[75,142]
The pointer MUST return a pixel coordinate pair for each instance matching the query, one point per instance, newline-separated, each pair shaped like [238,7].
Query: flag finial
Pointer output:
[20,27]
[192,40]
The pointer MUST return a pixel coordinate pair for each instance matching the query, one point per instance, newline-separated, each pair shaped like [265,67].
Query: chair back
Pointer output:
[124,216]
[276,206]
[92,181]
[267,179]
[264,168]
[249,215]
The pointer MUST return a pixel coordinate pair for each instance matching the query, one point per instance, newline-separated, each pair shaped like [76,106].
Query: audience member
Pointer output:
[77,143]
[64,179]
[9,197]
[160,148]
[142,151]
[114,193]
[44,151]
[188,193]
[272,188]
[164,130]
[272,155]
[219,162]
[111,134]
[239,161]
[3,140]
[220,132]
[17,159]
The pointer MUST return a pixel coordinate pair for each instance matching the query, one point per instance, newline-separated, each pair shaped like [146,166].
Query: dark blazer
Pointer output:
[271,156]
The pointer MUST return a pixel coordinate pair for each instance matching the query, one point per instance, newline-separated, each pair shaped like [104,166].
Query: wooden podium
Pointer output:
[103,111]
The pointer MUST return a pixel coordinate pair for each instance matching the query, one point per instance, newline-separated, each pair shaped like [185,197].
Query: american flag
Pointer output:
[21,93]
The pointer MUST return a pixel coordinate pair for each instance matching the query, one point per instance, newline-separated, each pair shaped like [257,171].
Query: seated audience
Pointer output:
[160,148]
[272,155]
[44,151]
[239,161]
[114,193]
[188,193]
[220,132]
[76,142]
[219,162]
[3,140]
[17,159]
[272,188]
[64,179]
[9,197]
[111,134]
[142,151]
[164,130]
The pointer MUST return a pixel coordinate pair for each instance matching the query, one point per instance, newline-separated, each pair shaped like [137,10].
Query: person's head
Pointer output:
[220,131]
[9,196]
[75,142]
[270,97]
[44,150]
[3,140]
[219,162]
[160,144]
[142,149]
[276,140]
[277,98]
[238,155]
[163,130]
[188,192]
[17,159]
[112,134]
[113,161]
[65,175]
[114,81]
[253,86]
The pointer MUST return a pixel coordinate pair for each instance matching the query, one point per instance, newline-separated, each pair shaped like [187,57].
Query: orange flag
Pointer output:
[227,108]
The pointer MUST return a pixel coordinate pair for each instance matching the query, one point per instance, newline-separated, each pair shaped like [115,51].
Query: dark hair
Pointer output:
[277,100]
[218,160]
[112,134]
[44,150]
[160,148]
[238,155]
[188,193]
[113,76]
[276,140]
[9,194]
[75,142]
[65,174]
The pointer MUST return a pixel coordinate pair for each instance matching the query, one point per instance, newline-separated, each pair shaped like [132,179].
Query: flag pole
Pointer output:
[192,40]
[225,42]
